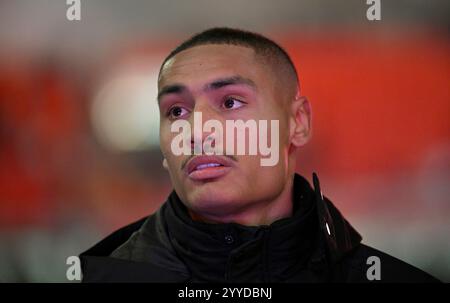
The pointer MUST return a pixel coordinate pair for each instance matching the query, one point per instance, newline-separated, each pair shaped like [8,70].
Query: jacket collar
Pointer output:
[340,237]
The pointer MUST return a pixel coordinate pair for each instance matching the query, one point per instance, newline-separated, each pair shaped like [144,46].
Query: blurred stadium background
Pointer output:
[79,153]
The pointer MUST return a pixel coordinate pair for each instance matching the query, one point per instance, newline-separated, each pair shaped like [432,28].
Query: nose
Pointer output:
[203,112]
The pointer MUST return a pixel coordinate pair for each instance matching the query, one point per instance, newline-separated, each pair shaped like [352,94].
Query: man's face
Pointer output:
[192,81]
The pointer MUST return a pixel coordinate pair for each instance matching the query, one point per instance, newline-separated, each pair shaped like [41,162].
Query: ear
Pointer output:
[164,163]
[300,121]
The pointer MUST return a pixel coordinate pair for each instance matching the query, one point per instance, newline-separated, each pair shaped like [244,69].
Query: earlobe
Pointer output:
[164,164]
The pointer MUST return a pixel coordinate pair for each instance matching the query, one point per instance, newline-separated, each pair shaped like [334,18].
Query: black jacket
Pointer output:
[316,244]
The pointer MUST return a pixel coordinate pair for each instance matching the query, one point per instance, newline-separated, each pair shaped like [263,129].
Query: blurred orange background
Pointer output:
[79,150]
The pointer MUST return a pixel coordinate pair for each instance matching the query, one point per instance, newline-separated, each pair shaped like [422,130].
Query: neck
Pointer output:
[256,214]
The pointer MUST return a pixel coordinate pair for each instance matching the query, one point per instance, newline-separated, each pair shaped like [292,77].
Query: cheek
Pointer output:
[250,168]
[258,182]
[283,128]
[165,139]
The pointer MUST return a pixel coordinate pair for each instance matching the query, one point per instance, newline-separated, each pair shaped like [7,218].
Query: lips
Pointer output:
[208,167]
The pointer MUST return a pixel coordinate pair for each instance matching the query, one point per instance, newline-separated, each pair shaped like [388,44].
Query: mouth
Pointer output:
[208,167]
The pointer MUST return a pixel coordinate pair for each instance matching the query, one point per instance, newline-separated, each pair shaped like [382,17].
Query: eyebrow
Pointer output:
[214,85]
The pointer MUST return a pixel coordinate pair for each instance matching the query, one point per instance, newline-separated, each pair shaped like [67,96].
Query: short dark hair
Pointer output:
[223,35]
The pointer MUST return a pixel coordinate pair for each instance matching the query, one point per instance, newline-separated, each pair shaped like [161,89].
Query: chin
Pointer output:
[213,198]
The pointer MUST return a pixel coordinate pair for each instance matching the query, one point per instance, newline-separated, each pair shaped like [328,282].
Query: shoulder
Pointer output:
[137,252]
[114,240]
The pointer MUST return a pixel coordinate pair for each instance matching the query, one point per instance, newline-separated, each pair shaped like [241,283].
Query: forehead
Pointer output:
[204,62]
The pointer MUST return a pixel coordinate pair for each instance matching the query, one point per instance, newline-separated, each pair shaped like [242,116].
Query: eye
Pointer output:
[232,103]
[177,112]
